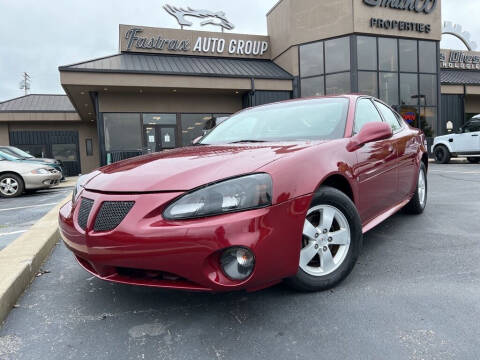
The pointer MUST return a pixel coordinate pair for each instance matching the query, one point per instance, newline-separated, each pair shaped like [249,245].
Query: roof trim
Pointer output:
[72,68]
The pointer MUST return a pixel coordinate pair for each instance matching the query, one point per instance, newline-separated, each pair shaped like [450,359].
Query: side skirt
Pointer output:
[383,216]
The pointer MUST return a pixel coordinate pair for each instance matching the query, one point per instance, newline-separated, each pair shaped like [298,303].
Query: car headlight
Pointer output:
[40,171]
[79,186]
[232,195]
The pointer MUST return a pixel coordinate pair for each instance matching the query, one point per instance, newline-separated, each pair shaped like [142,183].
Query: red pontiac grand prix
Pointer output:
[277,192]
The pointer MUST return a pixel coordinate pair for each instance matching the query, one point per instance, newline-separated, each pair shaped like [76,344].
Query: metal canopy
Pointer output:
[38,103]
[182,65]
[460,77]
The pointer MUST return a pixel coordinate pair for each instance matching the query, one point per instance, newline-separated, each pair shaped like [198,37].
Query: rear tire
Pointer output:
[473,160]
[11,185]
[442,155]
[331,241]
[417,204]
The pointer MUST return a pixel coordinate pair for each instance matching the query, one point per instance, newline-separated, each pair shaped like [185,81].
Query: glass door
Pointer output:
[159,137]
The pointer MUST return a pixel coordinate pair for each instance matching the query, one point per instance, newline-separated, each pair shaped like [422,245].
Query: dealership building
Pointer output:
[165,87]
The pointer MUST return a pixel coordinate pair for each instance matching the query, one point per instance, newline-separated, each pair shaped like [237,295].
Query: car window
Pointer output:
[473,126]
[308,119]
[365,113]
[389,116]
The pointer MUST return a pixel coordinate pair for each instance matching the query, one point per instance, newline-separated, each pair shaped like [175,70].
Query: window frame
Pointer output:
[369,98]
[401,123]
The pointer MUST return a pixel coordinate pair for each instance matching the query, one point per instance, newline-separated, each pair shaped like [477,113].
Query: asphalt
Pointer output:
[414,294]
[17,215]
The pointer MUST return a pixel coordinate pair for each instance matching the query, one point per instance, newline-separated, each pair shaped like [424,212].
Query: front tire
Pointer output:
[442,155]
[473,160]
[417,204]
[331,241]
[11,185]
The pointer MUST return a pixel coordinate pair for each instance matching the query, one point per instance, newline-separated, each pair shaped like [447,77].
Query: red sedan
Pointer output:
[277,192]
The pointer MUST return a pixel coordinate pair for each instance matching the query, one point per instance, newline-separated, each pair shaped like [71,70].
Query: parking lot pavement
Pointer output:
[414,294]
[18,214]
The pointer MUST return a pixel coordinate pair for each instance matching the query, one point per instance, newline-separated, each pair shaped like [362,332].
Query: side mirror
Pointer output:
[196,140]
[370,132]
[461,130]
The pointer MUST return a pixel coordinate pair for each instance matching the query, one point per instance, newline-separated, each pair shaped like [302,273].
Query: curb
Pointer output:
[21,260]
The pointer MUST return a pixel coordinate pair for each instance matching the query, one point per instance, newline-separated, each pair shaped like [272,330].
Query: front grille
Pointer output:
[84,212]
[111,214]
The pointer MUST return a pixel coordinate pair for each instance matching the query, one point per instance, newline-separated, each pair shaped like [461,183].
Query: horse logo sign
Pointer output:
[210,16]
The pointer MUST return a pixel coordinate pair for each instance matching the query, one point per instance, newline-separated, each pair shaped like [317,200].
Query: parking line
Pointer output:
[27,207]
[14,232]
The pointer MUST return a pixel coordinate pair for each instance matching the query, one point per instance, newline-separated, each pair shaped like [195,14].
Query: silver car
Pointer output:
[19,177]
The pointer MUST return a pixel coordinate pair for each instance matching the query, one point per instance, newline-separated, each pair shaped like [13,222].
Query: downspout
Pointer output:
[252,92]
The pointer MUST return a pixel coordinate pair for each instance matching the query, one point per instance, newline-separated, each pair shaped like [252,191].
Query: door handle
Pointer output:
[475,135]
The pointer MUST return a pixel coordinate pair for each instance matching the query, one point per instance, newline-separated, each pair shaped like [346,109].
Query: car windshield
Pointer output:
[8,156]
[17,152]
[309,119]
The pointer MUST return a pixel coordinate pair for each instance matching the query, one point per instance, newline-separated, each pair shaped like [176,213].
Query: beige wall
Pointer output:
[85,130]
[4,138]
[472,104]
[167,102]
[289,61]
[293,22]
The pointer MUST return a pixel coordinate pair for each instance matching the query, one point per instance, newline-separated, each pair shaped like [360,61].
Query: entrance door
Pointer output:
[159,137]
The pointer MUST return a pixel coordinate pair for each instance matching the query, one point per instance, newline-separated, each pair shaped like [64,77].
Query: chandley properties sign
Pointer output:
[187,42]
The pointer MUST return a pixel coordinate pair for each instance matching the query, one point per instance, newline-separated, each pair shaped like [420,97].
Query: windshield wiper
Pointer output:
[247,141]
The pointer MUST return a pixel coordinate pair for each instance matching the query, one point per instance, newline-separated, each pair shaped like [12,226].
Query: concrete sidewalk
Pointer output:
[21,260]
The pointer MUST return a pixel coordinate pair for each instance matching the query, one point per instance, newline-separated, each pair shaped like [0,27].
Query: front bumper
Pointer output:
[41,181]
[146,249]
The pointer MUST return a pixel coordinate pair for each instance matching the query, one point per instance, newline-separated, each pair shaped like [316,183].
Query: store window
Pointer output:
[428,90]
[408,56]
[123,132]
[337,55]
[38,151]
[367,52]
[367,83]
[160,119]
[428,56]
[195,125]
[311,59]
[337,84]
[389,88]
[387,54]
[64,152]
[314,86]
[408,89]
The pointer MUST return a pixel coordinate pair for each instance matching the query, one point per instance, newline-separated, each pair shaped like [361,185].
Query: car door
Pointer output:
[469,141]
[406,149]
[376,169]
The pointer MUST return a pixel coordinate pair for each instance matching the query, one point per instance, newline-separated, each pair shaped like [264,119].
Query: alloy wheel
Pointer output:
[8,186]
[325,242]
[422,188]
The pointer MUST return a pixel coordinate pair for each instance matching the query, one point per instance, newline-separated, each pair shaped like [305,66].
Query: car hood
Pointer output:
[21,167]
[187,168]
[42,160]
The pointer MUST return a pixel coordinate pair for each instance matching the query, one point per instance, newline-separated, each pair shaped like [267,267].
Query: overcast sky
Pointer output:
[37,36]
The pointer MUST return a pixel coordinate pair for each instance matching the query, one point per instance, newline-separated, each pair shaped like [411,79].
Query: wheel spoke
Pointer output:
[328,214]
[307,254]
[326,260]
[309,230]
[340,237]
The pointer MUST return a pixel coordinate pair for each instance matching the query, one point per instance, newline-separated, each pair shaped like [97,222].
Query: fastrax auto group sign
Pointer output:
[419,6]
[187,42]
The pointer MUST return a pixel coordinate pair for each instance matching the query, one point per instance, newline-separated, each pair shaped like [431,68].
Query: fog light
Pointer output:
[237,263]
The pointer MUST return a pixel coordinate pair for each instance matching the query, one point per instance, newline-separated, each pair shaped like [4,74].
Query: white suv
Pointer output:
[464,144]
